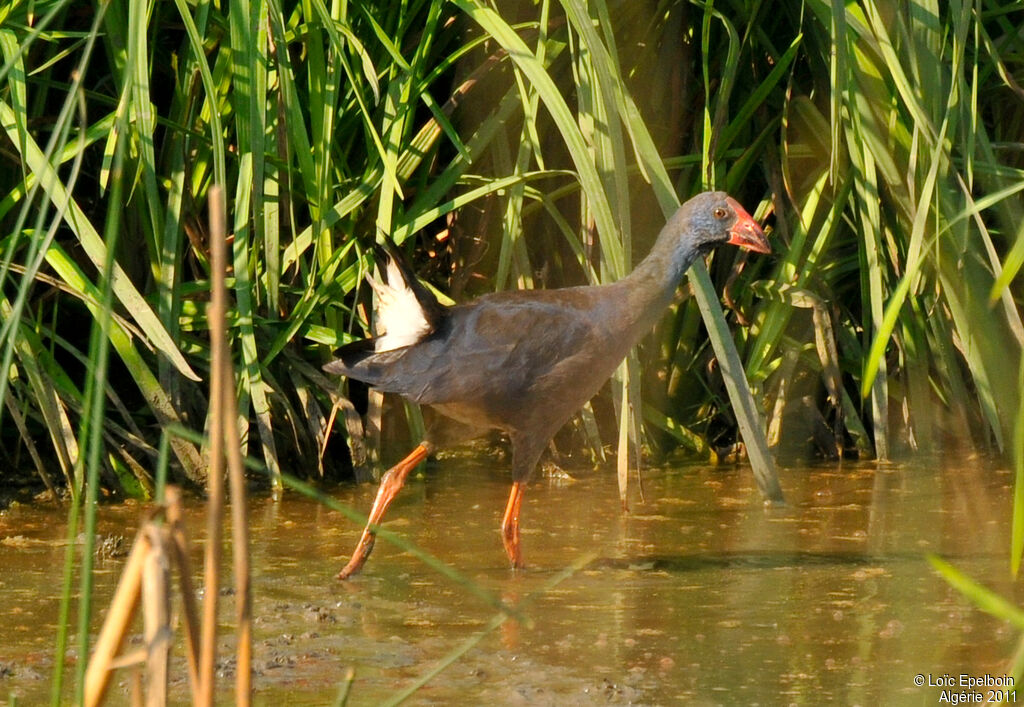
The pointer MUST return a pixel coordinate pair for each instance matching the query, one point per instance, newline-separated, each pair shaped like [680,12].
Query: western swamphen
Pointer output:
[523,362]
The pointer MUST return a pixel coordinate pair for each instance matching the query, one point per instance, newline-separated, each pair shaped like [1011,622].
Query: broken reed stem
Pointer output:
[115,626]
[146,574]
[240,549]
[215,476]
[179,553]
[156,613]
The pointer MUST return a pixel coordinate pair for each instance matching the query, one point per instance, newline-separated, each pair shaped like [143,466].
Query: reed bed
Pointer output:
[512,144]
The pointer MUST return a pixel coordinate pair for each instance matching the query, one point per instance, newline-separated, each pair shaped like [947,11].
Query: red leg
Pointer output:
[390,484]
[510,525]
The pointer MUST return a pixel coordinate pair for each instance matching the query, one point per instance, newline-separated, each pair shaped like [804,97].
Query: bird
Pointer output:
[522,361]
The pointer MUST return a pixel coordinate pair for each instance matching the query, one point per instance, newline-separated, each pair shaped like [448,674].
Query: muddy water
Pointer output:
[697,596]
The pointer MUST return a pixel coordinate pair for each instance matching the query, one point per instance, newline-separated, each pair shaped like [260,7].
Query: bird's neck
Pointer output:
[665,265]
[650,288]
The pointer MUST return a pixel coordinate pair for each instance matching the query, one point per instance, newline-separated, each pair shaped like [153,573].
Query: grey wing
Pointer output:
[502,351]
[499,350]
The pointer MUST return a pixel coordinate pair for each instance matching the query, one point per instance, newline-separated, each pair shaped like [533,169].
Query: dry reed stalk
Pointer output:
[240,549]
[136,696]
[236,477]
[180,557]
[115,626]
[146,574]
[156,612]
[215,478]
[224,439]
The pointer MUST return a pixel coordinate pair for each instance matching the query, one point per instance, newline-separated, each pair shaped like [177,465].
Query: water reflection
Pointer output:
[698,595]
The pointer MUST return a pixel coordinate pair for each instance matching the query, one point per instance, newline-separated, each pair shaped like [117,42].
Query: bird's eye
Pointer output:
[719,213]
